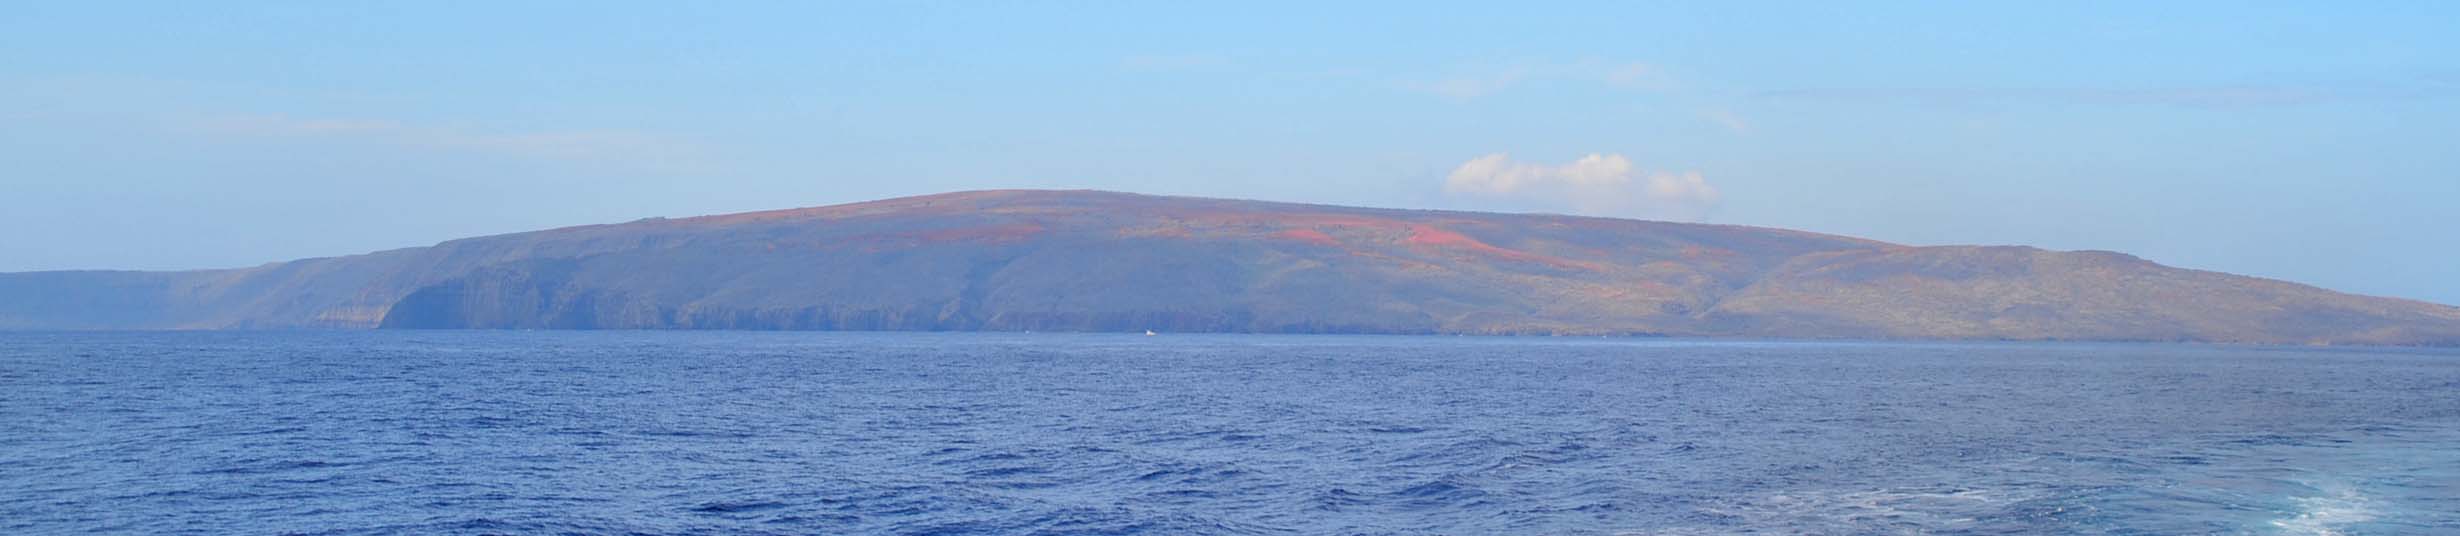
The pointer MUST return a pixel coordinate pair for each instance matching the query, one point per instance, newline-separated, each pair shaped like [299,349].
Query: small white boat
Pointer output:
[1148,333]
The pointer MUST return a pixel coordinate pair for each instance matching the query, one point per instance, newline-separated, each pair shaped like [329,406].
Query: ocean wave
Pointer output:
[2329,513]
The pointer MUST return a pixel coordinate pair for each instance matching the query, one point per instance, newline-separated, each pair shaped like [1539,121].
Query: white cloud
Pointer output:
[1597,184]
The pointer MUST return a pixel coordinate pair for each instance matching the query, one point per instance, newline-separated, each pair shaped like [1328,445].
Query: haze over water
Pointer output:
[837,433]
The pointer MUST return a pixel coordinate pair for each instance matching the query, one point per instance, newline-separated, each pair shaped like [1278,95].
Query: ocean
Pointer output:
[462,432]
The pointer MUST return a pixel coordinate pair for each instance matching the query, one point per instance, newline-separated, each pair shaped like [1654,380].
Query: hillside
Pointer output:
[1101,261]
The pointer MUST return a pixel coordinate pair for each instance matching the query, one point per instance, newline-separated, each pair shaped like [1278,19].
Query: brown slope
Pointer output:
[1964,292]
[1107,261]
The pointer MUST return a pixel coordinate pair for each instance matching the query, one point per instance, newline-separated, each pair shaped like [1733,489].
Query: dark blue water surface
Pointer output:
[805,433]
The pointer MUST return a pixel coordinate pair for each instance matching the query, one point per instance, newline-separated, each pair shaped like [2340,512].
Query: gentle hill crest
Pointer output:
[1107,261]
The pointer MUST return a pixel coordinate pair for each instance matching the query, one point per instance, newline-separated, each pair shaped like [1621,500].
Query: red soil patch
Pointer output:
[1310,236]
[1284,220]
[1170,231]
[1428,235]
[1014,232]
[1696,252]
[1337,220]
[1431,236]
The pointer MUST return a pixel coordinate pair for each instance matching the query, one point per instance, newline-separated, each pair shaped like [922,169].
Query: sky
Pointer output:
[2316,142]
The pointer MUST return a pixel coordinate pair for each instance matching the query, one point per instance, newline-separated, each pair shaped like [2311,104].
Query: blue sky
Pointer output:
[2312,141]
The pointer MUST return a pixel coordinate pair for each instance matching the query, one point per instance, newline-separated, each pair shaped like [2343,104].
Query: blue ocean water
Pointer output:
[878,433]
